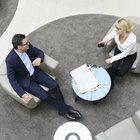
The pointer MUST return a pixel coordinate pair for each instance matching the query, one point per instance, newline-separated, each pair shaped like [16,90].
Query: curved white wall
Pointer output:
[31,14]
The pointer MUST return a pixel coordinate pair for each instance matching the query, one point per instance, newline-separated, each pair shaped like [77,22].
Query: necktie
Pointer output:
[26,60]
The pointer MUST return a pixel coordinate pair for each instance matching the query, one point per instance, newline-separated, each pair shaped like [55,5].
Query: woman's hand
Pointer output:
[107,61]
[104,41]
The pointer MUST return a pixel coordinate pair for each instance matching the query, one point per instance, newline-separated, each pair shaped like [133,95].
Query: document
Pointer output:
[84,78]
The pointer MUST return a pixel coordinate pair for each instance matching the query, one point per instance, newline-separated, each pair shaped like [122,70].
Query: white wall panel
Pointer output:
[127,8]
[95,6]
[79,7]
[110,7]
[63,8]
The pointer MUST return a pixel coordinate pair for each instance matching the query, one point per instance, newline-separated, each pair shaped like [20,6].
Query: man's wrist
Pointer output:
[24,94]
[38,58]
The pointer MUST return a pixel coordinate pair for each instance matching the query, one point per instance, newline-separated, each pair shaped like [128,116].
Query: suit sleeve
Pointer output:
[37,52]
[13,81]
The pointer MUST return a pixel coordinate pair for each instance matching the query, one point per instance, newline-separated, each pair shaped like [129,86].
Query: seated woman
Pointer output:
[125,52]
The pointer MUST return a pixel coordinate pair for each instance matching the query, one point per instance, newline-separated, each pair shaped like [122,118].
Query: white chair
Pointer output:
[110,46]
[128,129]
[49,65]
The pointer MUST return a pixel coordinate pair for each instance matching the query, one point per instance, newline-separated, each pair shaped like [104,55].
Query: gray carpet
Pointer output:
[7,11]
[72,41]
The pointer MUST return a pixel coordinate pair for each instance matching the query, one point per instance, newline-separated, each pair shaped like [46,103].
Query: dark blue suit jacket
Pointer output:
[17,72]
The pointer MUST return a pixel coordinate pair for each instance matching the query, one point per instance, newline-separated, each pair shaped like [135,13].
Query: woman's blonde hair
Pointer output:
[125,24]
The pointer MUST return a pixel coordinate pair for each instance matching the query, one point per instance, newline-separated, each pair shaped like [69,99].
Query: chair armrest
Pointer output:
[110,45]
[101,136]
[136,64]
[3,70]
[136,119]
[50,65]
[4,82]
[136,69]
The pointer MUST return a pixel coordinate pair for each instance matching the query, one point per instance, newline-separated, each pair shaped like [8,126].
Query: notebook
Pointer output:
[84,78]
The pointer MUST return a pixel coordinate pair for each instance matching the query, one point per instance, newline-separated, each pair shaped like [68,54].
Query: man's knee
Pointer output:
[42,95]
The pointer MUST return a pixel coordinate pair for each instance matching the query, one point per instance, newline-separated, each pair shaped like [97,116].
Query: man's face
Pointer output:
[25,45]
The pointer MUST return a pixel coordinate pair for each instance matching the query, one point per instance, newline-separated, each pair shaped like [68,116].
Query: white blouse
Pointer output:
[128,47]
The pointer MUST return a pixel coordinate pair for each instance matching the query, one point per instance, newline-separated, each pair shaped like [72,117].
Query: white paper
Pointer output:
[84,78]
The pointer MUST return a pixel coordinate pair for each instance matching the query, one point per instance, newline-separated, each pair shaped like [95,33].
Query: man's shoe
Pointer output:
[75,113]
[67,115]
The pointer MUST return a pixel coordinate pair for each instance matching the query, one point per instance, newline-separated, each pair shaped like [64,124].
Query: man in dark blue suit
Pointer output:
[25,76]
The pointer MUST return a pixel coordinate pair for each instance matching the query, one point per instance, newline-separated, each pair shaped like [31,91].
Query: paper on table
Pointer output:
[84,78]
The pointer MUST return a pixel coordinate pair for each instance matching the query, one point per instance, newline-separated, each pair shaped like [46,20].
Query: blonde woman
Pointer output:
[125,52]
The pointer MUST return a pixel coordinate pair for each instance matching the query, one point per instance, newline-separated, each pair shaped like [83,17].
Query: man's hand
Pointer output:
[36,62]
[27,97]
[107,61]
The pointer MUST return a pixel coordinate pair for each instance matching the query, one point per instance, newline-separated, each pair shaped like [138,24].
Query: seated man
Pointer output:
[25,77]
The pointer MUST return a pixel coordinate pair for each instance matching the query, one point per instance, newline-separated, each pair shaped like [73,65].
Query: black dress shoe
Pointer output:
[75,113]
[67,115]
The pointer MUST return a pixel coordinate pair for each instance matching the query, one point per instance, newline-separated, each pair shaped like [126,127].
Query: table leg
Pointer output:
[96,102]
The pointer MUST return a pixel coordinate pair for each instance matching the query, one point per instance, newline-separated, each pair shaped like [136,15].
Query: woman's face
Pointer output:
[118,29]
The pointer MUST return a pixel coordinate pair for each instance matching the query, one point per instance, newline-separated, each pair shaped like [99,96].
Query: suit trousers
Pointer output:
[122,66]
[41,78]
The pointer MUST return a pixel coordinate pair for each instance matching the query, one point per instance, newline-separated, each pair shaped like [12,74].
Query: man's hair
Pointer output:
[17,40]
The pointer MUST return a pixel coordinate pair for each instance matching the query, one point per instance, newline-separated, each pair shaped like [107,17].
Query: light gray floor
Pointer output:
[72,41]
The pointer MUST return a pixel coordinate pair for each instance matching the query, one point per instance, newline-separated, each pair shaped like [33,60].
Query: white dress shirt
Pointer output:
[27,62]
[128,47]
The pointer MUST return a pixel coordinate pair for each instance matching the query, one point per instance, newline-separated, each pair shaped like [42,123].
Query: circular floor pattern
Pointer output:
[72,41]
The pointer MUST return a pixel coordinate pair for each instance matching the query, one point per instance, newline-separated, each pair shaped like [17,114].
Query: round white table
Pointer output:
[102,90]
[72,131]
